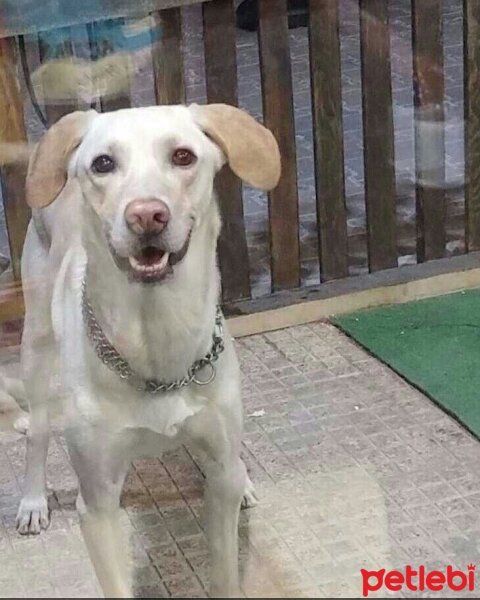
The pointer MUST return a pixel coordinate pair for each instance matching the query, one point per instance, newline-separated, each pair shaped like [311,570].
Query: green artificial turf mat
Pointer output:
[434,344]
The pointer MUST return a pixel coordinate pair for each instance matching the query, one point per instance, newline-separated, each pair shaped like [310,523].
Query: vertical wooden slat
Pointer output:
[328,138]
[378,134]
[12,129]
[100,48]
[279,117]
[168,58]
[54,111]
[221,82]
[472,123]
[429,127]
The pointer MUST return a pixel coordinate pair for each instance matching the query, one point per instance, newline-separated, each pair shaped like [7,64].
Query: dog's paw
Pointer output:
[32,515]
[250,498]
[22,424]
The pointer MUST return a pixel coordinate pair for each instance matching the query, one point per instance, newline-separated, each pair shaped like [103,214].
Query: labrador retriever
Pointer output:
[121,291]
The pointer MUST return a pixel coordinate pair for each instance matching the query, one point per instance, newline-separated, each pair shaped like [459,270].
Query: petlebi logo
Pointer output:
[418,579]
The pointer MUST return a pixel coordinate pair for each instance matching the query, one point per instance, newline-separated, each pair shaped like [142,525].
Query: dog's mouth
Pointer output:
[151,264]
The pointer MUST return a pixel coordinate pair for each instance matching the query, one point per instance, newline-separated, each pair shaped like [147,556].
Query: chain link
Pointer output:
[112,359]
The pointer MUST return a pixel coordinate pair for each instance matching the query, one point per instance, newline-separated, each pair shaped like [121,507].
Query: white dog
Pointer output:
[121,290]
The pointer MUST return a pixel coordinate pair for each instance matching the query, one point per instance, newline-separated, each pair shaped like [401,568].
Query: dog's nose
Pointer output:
[147,216]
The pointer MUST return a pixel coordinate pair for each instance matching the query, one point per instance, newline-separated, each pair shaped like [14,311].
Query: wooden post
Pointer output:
[429,127]
[326,84]
[378,134]
[221,80]
[100,50]
[168,58]
[278,115]
[471,11]
[12,129]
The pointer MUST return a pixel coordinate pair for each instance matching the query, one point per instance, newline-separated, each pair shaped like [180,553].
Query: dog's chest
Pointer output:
[159,344]
[101,395]
[157,339]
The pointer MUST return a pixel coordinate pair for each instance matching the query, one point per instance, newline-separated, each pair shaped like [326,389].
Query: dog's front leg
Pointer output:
[101,468]
[217,434]
[226,478]
[37,359]
[32,513]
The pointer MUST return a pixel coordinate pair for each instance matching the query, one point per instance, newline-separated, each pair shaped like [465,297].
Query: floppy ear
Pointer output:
[47,169]
[250,148]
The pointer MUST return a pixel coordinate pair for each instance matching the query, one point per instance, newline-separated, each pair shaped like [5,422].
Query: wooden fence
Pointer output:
[219,38]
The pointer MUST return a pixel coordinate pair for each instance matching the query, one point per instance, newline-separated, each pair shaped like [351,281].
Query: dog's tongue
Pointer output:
[150,256]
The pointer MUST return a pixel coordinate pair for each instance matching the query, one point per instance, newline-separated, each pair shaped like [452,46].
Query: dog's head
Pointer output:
[147,174]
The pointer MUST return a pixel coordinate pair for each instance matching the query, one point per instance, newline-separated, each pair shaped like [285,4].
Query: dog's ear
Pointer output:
[47,169]
[250,148]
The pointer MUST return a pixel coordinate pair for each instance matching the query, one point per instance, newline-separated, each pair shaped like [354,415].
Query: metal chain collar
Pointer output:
[112,359]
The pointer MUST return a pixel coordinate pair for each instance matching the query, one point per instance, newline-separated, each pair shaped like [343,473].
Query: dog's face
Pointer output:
[147,174]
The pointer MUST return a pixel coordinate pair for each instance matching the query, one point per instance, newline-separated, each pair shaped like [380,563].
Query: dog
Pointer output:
[121,290]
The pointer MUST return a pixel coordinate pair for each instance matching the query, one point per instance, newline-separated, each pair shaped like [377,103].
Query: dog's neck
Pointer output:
[160,329]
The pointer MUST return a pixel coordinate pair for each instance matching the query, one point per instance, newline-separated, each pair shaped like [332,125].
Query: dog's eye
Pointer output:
[103,164]
[182,157]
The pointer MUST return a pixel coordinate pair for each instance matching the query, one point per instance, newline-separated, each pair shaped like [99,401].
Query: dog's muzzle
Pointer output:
[151,264]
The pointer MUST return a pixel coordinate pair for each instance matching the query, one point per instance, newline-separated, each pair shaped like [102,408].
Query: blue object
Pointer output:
[112,33]
[20,17]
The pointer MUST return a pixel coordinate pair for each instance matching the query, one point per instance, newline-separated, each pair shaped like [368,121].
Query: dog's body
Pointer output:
[160,315]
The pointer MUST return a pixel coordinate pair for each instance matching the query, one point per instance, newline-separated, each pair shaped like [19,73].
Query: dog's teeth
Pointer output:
[164,260]
[137,266]
[133,262]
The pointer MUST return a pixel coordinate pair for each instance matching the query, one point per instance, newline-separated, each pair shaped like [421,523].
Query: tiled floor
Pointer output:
[353,467]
